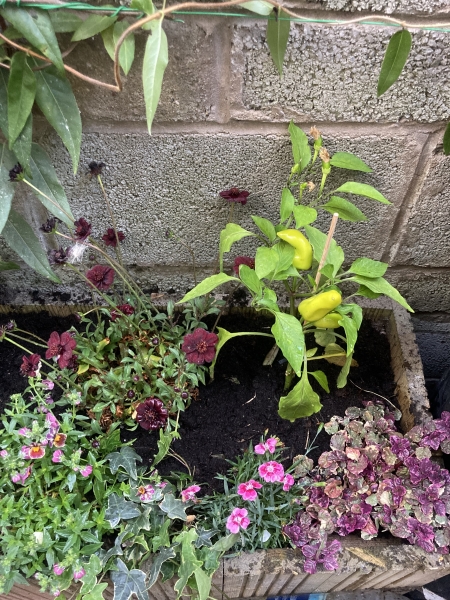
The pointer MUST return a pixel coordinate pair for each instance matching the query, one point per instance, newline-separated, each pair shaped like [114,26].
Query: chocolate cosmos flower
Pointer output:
[16,173]
[200,346]
[58,257]
[243,260]
[101,277]
[110,237]
[30,365]
[151,414]
[61,347]
[82,229]
[235,195]
[125,309]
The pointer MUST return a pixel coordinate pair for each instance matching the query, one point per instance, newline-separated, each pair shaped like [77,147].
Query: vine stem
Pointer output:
[49,199]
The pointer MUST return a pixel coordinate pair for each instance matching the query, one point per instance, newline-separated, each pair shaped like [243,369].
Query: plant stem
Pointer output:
[113,220]
[49,199]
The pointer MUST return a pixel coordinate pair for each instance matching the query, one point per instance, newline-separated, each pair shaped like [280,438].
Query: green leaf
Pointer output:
[323,338]
[21,93]
[347,160]
[368,267]
[318,240]
[7,188]
[278,26]
[22,146]
[446,140]
[250,279]
[203,581]
[64,21]
[304,215]
[126,583]
[394,60]
[206,286]
[126,459]
[165,439]
[232,233]
[97,592]
[4,75]
[354,309]
[363,189]
[91,26]
[158,560]
[8,266]
[225,543]
[342,378]
[108,41]
[289,336]
[266,227]
[126,52]
[156,58]
[258,6]
[302,401]
[351,332]
[287,204]
[120,509]
[300,147]
[21,238]
[381,286]
[270,261]
[175,509]
[38,30]
[146,6]
[46,180]
[55,98]
[347,210]
[321,379]
[366,293]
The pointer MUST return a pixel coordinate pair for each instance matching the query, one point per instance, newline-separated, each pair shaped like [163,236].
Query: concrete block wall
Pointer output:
[222,122]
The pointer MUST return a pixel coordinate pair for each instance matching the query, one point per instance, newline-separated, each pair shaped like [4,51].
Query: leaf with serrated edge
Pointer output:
[126,583]
[207,285]
[394,60]
[277,36]
[91,26]
[7,188]
[155,62]
[347,160]
[126,52]
[22,239]
[21,93]
[55,98]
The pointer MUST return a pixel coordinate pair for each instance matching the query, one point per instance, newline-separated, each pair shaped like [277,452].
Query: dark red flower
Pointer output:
[58,257]
[243,260]
[95,168]
[30,365]
[16,173]
[200,346]
[82,229]
[101,277]
[50,225]
[110,237]
[125,309]
[61,347]
[151,414]
[235,195]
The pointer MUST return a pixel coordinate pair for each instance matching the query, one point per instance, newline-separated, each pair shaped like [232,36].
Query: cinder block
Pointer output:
[386,6]
[425,291]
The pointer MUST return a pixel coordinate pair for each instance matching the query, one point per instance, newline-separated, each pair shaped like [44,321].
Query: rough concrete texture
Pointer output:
[425,290]
[386,6]
[433,340]
[191,87]
[425,241]
[331,73]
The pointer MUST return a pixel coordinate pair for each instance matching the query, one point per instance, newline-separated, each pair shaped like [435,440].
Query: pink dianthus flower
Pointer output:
[247,490]
[271,471]
[237,519]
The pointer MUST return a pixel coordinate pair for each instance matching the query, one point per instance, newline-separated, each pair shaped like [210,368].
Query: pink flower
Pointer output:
[189,493]
[57,456]
[271,471]
[36,452]
[86,471]
[25,452]
[60,440]
[268,446]
[58,569]
[237,519]
[247,490]
[48,385]
[24,431]
[146,493]
[3,453]
[288,482]
[79,573]
[21,477]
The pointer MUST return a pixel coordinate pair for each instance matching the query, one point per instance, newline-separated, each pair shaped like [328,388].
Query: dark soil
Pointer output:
[241,403]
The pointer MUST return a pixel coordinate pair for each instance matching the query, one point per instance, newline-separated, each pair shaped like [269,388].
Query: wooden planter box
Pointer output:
[380,564]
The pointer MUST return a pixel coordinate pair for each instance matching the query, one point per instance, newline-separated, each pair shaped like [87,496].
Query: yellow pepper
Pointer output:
[329,321]
[303,250]
[316,307]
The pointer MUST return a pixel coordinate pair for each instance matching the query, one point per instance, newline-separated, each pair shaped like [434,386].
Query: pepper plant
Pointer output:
[310,266]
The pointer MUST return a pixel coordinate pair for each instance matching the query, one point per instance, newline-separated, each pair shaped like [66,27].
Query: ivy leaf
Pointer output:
[97,592]
[446,140]
[157,561]
[302,401]
[91,26]
[175,509]
[120,509]
[126,458]
[300,147]
[126,583]
[7,188]
[394,60]
[363,189]
[381,286]
[126,52]
[206,286]
[22,239]
[232,233]
[368,267]
[347,210]
[258,6]
[347,160]
[203,581]
[38,30]
[21,93]
[288,334]
[278,26]
[46,180]
[55,98]
[155,62]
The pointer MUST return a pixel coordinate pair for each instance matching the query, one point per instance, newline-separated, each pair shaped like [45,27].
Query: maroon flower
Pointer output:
[110,237]
[16,173]
[101,277]
[30,365]
[82,229]
[61,347]
[50,225]
[243,260]
[151,414]
[235,195]
[125,309]
[200,346]
[58,257]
